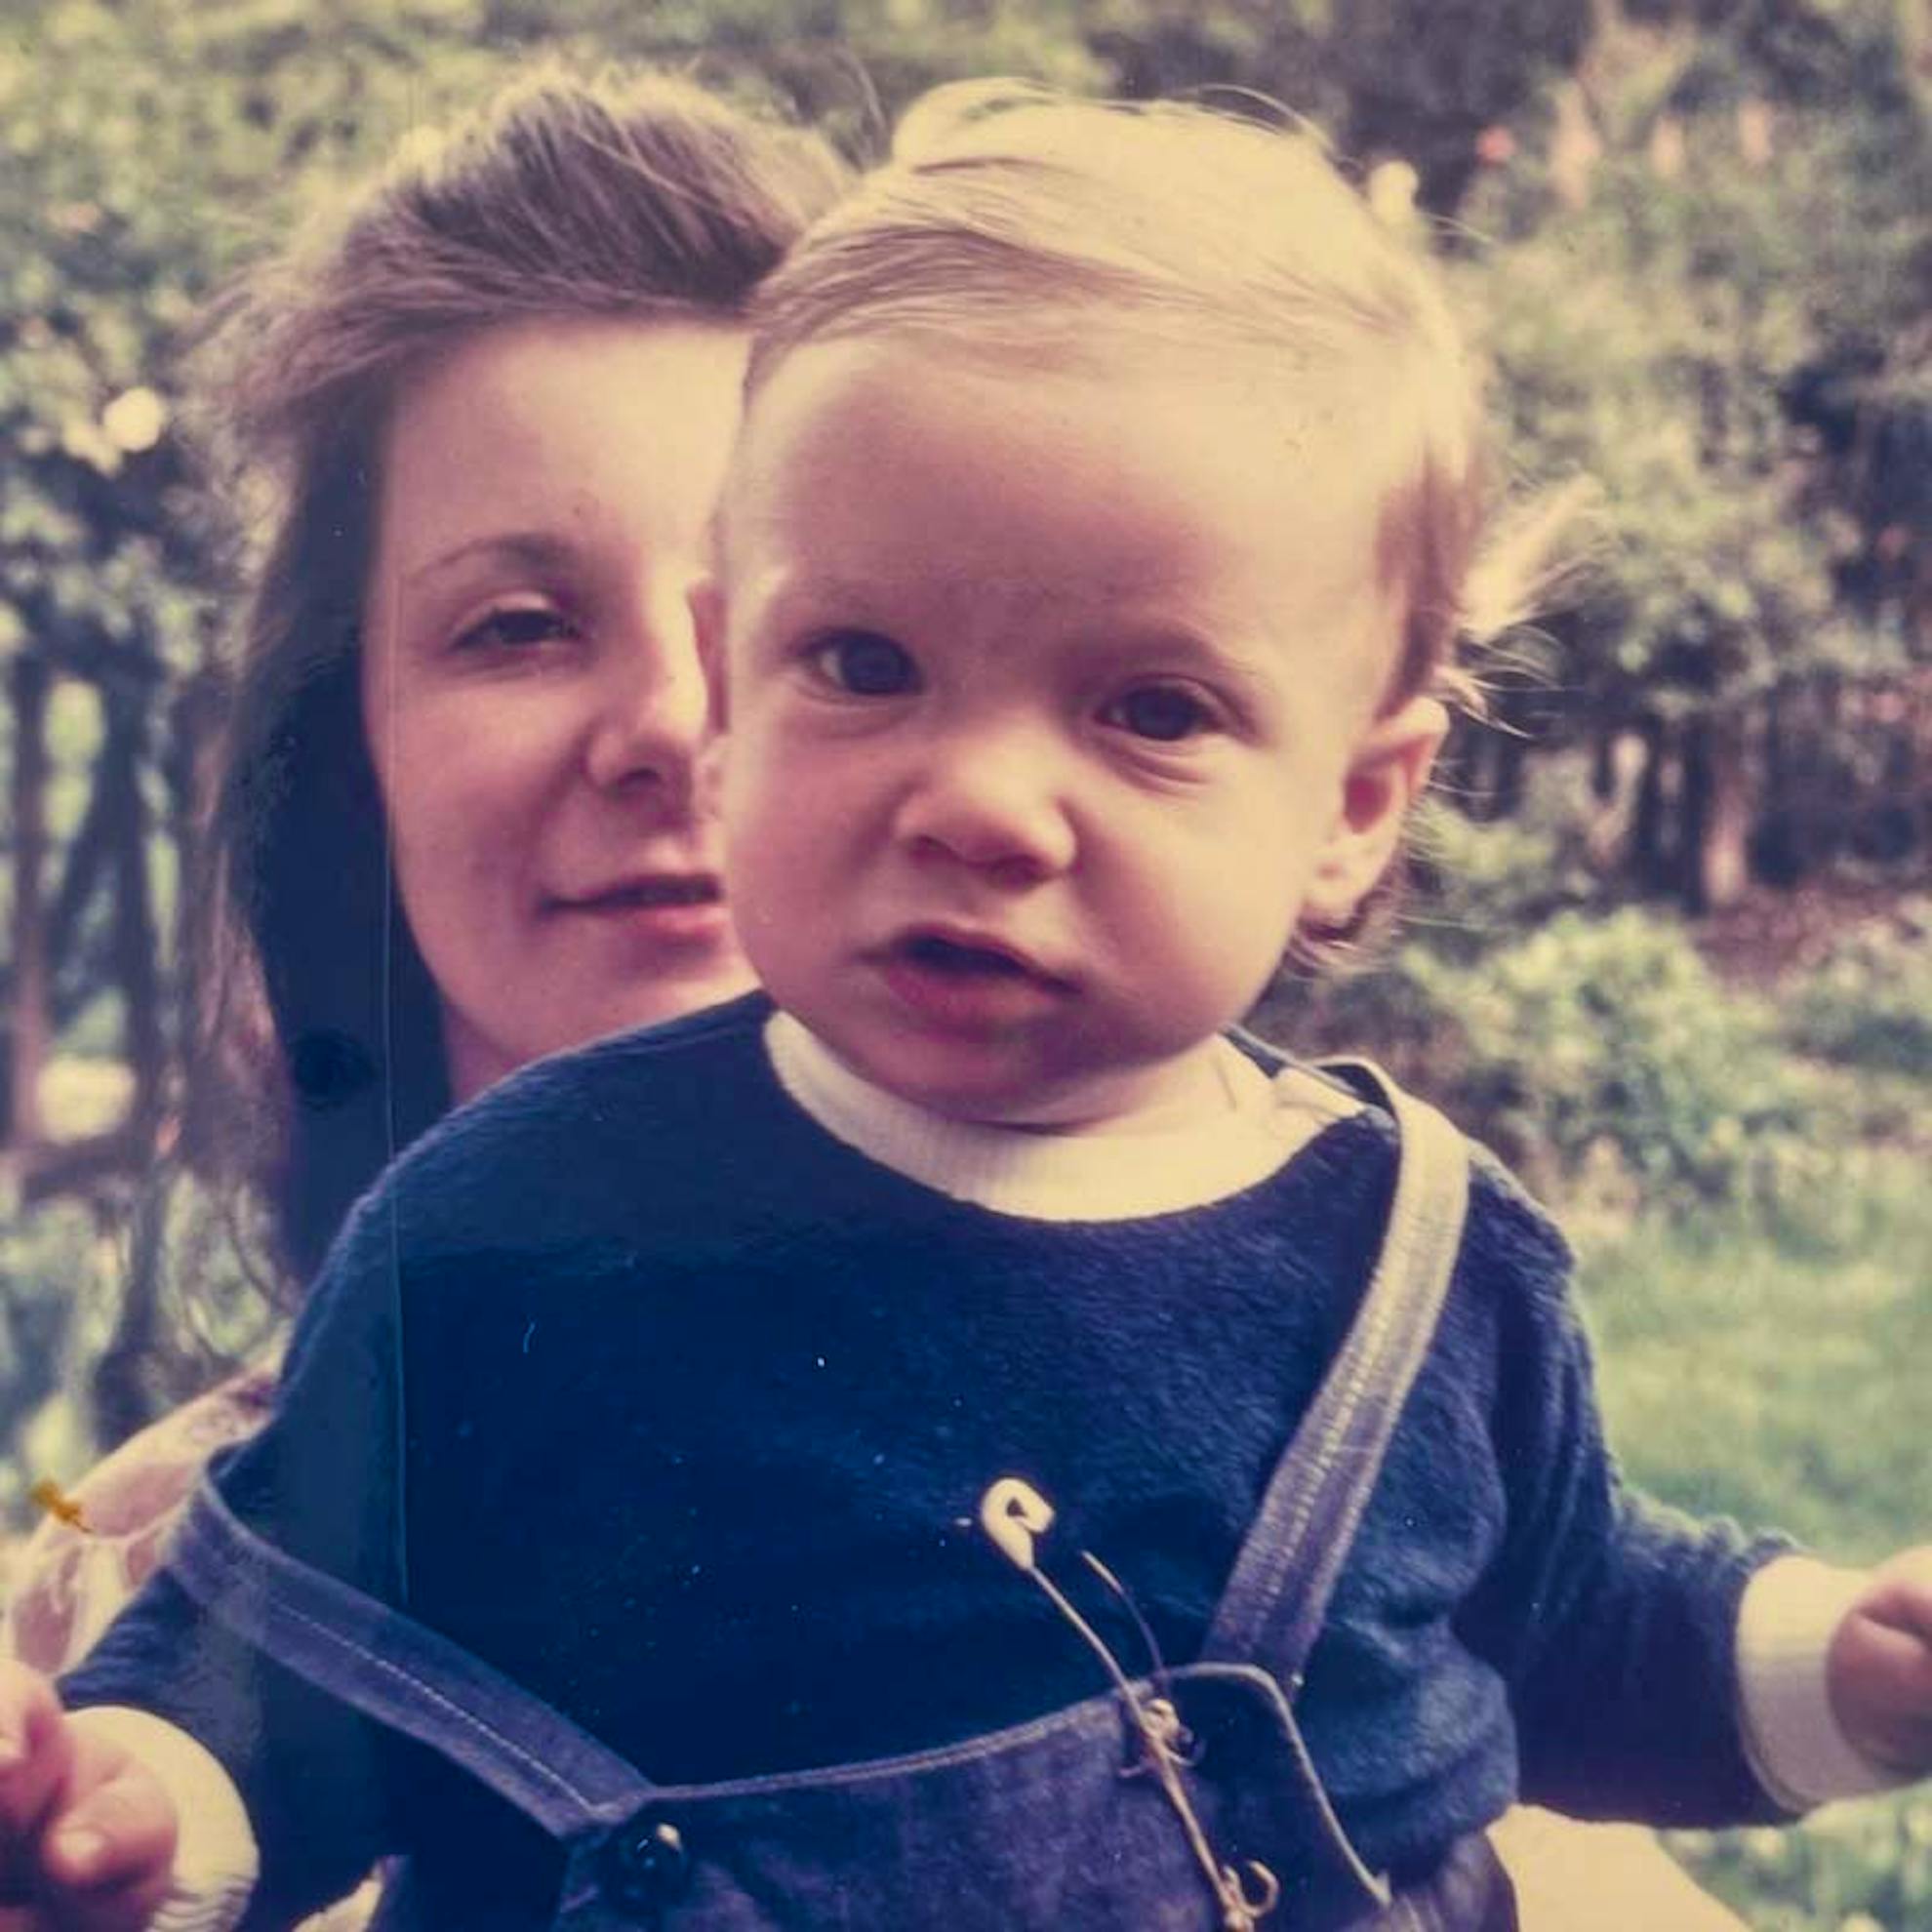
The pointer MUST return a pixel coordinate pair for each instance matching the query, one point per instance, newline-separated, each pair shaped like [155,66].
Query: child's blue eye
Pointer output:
[865,665]
[1164,713]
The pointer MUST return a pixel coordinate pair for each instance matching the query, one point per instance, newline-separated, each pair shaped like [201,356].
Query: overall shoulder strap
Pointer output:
[1265,1054]
[1278,1594]
[401,1674]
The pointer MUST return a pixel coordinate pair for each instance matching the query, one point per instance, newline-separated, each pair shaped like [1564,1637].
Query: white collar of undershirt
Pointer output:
[1238,1138]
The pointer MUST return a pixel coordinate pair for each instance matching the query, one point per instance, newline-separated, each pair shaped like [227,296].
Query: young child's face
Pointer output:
[1052,707]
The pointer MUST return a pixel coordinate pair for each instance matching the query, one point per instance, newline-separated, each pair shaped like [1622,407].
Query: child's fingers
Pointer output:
[131,1917]
[87,1835]
[36,1758]
[109,1852]
[1900,1661]
[1883,1688]
[126,1906]
[1901,1594]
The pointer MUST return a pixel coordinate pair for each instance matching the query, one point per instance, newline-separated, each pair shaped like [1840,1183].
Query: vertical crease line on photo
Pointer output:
[387,1010]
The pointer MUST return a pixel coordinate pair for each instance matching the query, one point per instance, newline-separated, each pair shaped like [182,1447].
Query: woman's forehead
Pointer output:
[528,427]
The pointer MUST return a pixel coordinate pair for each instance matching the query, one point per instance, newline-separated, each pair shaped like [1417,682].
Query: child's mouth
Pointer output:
[955,960]
[964,985]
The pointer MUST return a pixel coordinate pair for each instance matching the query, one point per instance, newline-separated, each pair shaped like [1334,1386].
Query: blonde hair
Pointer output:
[1016,222]
[1010,218]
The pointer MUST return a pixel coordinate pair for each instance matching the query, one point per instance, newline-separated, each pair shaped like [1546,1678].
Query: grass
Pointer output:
[1774,1369]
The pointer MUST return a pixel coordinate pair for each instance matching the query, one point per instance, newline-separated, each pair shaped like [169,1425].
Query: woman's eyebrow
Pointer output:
[530,549]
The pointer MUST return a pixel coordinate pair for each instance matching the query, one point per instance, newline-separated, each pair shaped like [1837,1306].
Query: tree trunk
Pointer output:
[1511,757]
[1603,761]
[135,967]
[1619,762]
[1775,760]
[1716,814]
[1649,860]
[192,720]
[122,1396]
[122,1389]
[80,875]
[30,1027]
[1776,842]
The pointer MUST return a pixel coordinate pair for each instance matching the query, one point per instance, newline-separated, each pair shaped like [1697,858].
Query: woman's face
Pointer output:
[530,684]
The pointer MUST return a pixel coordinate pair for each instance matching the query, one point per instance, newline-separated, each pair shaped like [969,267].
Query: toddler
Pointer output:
[962,1438]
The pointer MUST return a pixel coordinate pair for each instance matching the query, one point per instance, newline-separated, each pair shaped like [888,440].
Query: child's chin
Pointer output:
[969,1090]
[975,1103]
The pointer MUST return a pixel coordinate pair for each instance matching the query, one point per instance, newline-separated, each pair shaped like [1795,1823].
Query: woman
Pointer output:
[492,405]
[455,824]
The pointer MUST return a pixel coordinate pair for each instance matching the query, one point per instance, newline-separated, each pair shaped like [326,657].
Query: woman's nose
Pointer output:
[992,802]
[653,705]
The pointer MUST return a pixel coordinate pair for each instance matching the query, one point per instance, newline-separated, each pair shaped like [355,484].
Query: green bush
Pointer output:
[1591,1053]
[172,1270]
[1480,884]
[1870,1005]
[54,1265]
[1595,1036]
[1855,1867]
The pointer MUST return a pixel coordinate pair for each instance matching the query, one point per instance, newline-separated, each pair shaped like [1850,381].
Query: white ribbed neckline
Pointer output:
[1117,1175]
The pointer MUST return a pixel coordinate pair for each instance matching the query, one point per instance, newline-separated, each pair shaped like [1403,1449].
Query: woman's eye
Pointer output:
[514,628]
[865,665]
[1164,713]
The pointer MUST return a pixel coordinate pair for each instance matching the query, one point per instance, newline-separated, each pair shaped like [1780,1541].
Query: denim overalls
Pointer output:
[1066,1822]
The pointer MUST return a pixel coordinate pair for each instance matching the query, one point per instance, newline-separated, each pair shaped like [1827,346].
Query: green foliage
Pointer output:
[1592,1052]
[1868,1005]
[1426,81]
[1729,230]
[1808,1341]
[1857,1868]
[1478,883]
[1610,1036]
[50,1272]
[65,1269]
[1808,1330]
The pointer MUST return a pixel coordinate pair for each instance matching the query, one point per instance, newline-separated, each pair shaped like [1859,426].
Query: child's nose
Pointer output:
[992,804]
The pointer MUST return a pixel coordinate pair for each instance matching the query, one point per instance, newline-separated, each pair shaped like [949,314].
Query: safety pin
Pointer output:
[1160,1708]
[1014,1514]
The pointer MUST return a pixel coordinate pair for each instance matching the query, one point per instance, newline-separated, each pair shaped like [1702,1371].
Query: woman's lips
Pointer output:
[667,905]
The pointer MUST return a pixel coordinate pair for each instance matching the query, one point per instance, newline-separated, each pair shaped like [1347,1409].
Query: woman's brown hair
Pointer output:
[639,196]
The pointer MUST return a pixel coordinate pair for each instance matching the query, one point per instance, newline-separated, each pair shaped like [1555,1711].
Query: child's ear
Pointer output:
[1386,777]
[707,622]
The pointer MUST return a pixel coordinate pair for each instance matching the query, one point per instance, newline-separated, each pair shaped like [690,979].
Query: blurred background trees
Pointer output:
[1671,946]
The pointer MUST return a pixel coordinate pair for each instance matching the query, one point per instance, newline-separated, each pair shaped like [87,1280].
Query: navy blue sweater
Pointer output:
[637,1383]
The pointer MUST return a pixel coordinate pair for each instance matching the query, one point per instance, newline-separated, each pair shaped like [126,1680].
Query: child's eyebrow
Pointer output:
[781,593]
[1154,645]
[1140,637]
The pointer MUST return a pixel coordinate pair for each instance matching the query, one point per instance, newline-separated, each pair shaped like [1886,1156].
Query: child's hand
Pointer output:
[1878,1669]
[86,1833]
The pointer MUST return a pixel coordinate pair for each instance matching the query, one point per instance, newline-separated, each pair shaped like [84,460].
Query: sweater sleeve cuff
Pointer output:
[215,1853]
[1790,1610]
